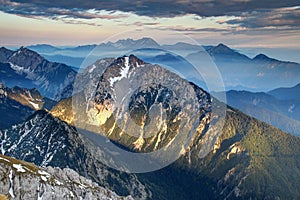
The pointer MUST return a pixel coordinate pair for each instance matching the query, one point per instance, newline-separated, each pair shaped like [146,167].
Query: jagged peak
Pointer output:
[135,59]
[141,41]
[132,60]
[23,51]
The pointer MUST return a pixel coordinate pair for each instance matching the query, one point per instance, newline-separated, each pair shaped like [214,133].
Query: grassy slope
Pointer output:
[267,167]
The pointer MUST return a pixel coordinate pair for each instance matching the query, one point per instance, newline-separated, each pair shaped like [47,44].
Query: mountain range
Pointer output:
[239,72]
[218,155]
[283,114]
[242,159]
[286,93]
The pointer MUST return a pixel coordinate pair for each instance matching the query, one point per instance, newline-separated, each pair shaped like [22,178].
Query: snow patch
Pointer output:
[44,175]
[19,69]
[57,182]
[124,72]
[35,105]
[72,195]
[19,168]
[2,144]
[40,172]
[40,196]
[92,68]
[11,190]
[44,178]
[291,108]
[4,159]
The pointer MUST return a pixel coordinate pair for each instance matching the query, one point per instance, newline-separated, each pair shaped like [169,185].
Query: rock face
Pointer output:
[27,68]
[19,103]
[155,108]
[47,141]
[21,180]
[27,97]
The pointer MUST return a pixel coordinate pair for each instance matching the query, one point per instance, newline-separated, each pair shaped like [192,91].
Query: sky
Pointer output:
[242,24]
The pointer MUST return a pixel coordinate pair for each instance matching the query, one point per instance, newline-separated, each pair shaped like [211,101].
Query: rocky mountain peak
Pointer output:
[26,51]
[26,58]
[148,94]
[121,68]
[31,70]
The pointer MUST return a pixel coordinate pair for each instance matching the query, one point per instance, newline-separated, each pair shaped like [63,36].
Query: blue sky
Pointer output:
[244,24]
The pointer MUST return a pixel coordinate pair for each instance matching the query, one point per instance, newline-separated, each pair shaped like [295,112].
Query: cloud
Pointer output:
[192,29]
[282,17]
[72,21]
[249,16]
[146,23]
[139,23]
[152,8]
[35,11]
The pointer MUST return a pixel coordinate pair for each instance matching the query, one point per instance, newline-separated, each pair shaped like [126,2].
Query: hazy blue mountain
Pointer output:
[286,93]
[89,47]
[43,48]
[257,74]
[73,62]
[123,44]
[238,71]
[182,46]
[222,53]
[172,62]
[26,68]
[283,114]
